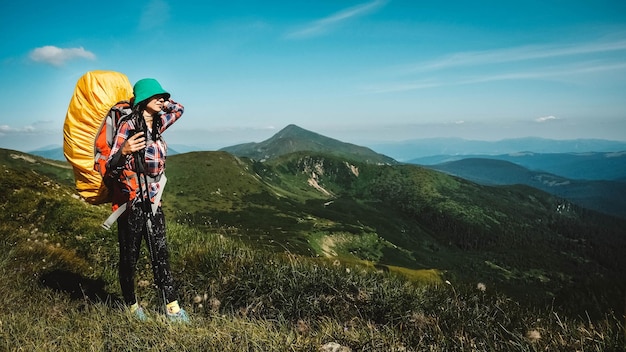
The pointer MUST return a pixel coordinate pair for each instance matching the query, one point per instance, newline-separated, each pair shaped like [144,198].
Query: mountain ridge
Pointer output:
[579,166]
[593,166]
[293,139]
[419,148]
[407,151]
[606,196]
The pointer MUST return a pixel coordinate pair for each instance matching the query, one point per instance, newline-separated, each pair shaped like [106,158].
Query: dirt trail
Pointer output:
[327,244]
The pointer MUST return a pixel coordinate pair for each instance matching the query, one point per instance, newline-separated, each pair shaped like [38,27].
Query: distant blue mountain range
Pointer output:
[420,148]
[609,166]
[604,194]
[414,150]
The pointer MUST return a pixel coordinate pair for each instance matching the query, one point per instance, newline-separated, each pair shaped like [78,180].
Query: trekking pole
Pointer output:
[146,204]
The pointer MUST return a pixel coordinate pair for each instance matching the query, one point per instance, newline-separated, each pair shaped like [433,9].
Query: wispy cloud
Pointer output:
[547,73]
[6,129]
[37,127]
[323,25]
[561,72]
[546,118]
[58,56]
[516,54]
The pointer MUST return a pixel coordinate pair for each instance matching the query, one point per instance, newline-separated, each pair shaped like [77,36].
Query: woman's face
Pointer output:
[155,104]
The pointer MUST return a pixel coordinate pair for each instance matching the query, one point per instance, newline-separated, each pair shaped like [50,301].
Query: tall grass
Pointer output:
[242,299]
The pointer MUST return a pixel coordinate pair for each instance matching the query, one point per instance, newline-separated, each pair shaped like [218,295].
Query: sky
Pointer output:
[361,71]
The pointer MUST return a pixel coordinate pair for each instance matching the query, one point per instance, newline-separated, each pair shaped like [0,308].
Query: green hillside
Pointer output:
[61,275]
[57,170]
[524,241]
[606,196]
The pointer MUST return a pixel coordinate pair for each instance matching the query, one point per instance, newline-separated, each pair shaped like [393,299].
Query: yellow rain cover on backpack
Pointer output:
[95,93]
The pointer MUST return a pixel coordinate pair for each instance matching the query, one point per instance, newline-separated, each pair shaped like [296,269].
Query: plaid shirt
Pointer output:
[156,151]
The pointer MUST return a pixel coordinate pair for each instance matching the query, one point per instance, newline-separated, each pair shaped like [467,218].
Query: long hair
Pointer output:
[156,121]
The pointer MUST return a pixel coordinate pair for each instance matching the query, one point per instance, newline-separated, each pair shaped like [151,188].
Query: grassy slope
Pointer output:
[516,238]
[57,170]
[240,298]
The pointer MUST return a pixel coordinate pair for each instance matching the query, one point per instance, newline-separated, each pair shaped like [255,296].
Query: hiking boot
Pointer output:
[140,315]
[180,317]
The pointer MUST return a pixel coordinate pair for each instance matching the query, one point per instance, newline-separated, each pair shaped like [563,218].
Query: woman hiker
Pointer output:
[138,146]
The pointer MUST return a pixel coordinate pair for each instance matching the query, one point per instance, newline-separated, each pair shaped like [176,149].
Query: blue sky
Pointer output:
[360,71]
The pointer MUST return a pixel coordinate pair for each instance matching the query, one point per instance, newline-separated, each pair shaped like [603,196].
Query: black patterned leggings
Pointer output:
[131,229]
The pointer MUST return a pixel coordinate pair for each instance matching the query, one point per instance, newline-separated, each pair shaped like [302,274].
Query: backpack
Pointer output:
[100,99]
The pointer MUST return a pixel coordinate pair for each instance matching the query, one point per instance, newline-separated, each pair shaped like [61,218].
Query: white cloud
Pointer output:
[53,55]
[546,118]
[321,26]
[562,72]
[584,58]
[516,54]
[37,127]
[29,138]
[6,129]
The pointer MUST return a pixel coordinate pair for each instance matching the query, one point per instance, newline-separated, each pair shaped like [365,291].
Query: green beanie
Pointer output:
[147,88]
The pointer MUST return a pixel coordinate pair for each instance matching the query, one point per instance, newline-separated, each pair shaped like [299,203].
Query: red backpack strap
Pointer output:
[106,134]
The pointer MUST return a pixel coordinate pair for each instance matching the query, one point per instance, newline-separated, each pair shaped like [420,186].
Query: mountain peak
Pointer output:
[293,138]
[294,131]
[292,128]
